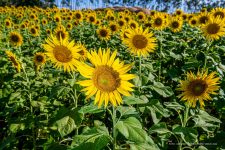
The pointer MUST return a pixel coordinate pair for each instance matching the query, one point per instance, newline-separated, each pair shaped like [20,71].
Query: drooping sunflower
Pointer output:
[158,21]
[140,42]
[104,33]
[15,38]
[175,24]
[62,53]
[198,87]
[60,31]
[12,57]
[214,28]
[218,12]
[107,79]
[83,52]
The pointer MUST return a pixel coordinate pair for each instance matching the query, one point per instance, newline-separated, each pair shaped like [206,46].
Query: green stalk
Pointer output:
[139,88]
[160,58]
[114,129]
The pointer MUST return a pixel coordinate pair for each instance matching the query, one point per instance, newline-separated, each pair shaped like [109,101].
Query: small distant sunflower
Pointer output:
[39,59]
[78,15]
[83,51]
[15,38]
[140,42]
[113,27]
[179,12]
[57,18]
[8,23]
[91,18]
[44,21]
[198,87]
[203,18]
[158,21]
[214,29]
[133,24]
[48,31]
[193,22]
[218,12]
[175,24]
[34,31]
[104,33]
[107,79]
[123,33]
[121,23]
[12,57]
[62,53]
[69,26]
[141,16]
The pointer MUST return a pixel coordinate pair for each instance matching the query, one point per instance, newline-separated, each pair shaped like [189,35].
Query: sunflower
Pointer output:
[34,31]
[121,23]
[78,15]
[123,33]
[198,87]
[179,12]
[113,27]
[133,24]
[158,21]
[39,59]
[218,12]
[193,22]
[140,42]
[203,18]
[8,23]
[69,26]
[15,38]
[91,18]
[60,31]
[62,53]
[83,52]
[214,28]
[107,79]
[12,57]
[141,16]
[103,33]
[175,24]
[44,21]
[57,18]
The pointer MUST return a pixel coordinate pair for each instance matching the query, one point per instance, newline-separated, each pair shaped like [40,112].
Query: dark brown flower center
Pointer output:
[106,79]
[213,28]
[175,24]
[197,87]
[203,19]
[62,54]
[158,21]
[103,33]
[139,41]
[39,58]
[113,27]
[78,16]
[14,38]
[219,13]
[60,34]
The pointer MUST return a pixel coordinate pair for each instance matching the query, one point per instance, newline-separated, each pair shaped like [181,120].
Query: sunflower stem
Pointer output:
[114,127]
[186,115]
[139,88]
[160,58]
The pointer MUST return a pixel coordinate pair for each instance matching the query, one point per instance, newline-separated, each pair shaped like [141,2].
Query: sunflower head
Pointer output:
[193,22]
[60,32]
[203,18]
[158,21]
[107,78]
[103,33]
[113,27]
[218,12]
[140,42]
[214,29]
[15,38]
[62,53]
[39,59]
[198,87]
[175,24]
[34,31]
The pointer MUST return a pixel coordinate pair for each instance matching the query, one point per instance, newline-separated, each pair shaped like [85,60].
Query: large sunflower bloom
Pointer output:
[15,38]
[214,28]
[140,42]
[62,53]
[198,87]
[107,78]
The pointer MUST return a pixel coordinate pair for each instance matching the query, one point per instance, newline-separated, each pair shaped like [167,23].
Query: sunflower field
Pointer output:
[111,80]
